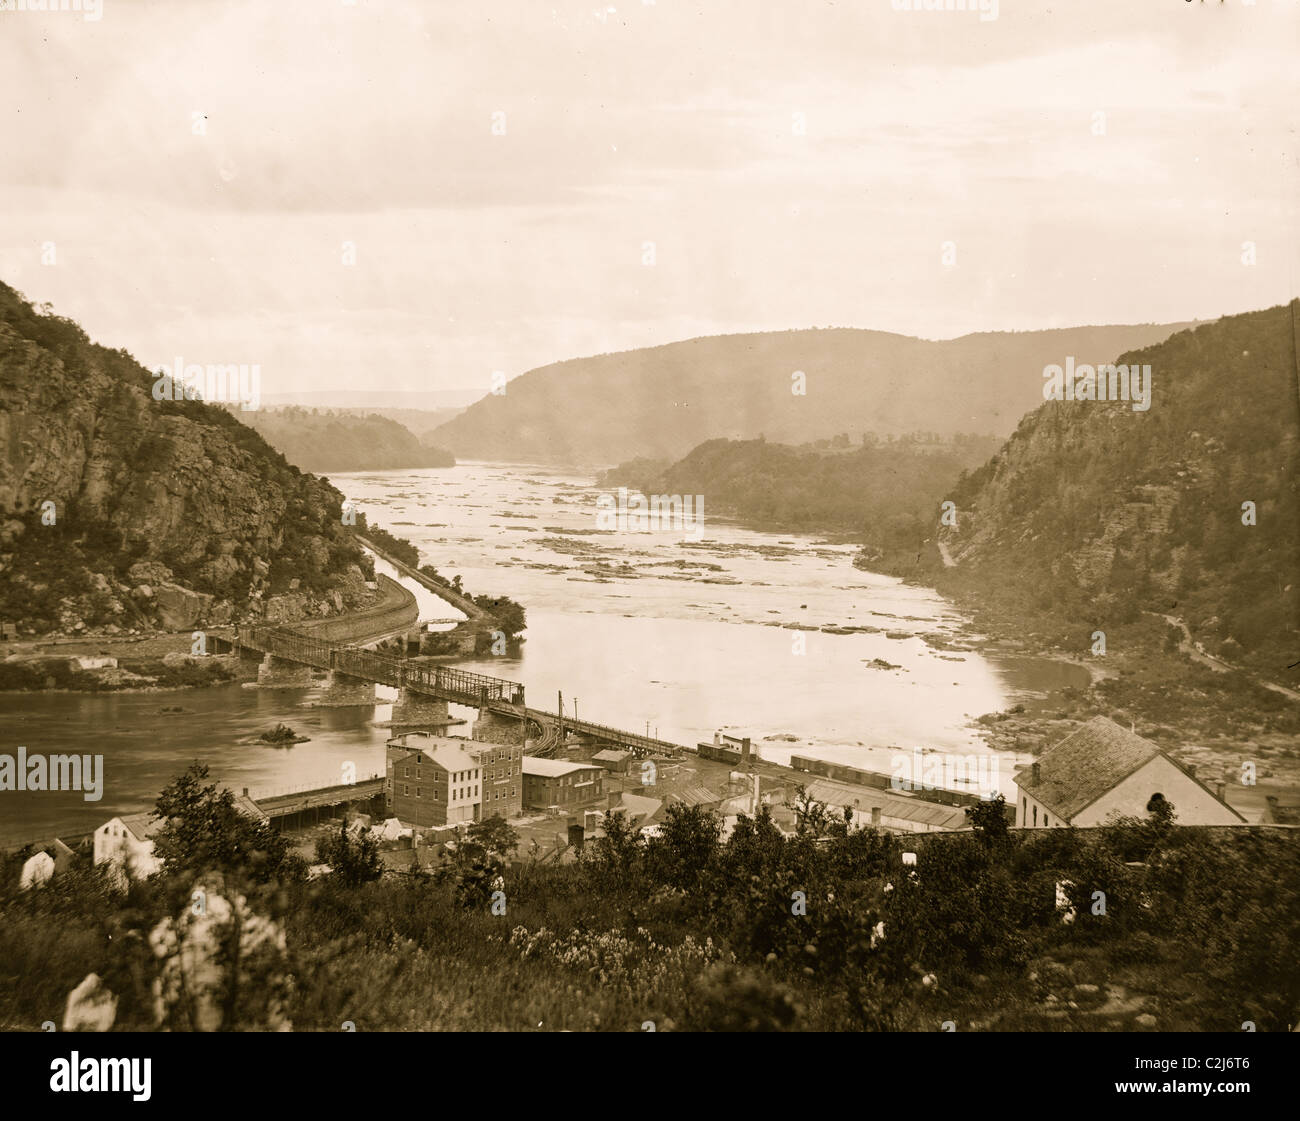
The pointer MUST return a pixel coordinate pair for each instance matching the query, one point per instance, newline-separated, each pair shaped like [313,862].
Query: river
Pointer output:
[682,634]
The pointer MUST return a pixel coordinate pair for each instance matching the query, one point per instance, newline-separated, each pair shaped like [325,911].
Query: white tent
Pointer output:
[36,871]
[392,830]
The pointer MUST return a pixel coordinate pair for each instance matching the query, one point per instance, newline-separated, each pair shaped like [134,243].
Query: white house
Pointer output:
[127,843]
[1100,770]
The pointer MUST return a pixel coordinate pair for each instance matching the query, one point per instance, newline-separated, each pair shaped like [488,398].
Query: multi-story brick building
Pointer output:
[432,780]
[503,785]
[555,784]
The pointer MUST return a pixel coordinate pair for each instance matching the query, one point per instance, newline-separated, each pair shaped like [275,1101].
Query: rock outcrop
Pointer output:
[117,509]
[1103,512]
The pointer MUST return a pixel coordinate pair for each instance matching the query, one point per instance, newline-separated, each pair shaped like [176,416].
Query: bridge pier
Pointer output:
[413,710]
[342,690]
[492,727]
[282,673]
[250,659]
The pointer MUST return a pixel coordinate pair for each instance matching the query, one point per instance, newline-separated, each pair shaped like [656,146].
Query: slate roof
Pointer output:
[141,825]
[935,815]
[639,809]
[696,796]
[1082,767]
[552,768]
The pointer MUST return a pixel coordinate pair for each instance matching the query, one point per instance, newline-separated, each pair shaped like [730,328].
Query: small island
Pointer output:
[282,736]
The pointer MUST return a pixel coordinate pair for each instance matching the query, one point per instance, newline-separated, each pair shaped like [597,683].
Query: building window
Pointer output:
[406,790]
[1035,815]
[406,772]
[419,792]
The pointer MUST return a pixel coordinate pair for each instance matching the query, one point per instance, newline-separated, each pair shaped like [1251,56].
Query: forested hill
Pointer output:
[119,511]
[1098,511]
[325,441]
[665,400]
[882,489]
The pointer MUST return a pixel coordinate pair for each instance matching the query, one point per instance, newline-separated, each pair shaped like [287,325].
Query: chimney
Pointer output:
[1218,790]
[1190,768]
[1036,772]
[744,754]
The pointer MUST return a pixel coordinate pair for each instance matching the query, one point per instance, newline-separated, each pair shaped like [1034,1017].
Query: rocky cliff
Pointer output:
[120,512]
[1099,512]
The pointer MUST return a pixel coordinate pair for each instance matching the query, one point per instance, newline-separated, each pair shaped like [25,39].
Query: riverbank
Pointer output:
[106,672]
[1141,673]
[1212,717]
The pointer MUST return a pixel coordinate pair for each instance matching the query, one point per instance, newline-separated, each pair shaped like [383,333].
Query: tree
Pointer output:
[619,849]
[989,819]
[353,860]
[494,835]
[810,816]
[687,842]
[204,831]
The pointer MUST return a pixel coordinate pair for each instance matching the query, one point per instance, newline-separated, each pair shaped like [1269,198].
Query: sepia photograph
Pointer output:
[649,517]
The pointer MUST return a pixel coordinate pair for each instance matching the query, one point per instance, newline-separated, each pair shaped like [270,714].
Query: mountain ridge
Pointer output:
[792,387]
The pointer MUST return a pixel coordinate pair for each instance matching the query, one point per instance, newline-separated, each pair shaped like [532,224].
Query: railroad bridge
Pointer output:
[424,690]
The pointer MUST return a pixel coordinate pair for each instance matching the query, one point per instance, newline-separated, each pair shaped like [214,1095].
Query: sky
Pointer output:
[416,196]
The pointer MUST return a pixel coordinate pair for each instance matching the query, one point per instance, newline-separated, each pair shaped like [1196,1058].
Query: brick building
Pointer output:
[555,784]
[432,780]
[503,783]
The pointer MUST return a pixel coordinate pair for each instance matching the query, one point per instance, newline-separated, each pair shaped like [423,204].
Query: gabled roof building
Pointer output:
[1100,770]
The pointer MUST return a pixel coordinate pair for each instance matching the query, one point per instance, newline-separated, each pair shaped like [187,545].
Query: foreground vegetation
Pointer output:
[1165,927]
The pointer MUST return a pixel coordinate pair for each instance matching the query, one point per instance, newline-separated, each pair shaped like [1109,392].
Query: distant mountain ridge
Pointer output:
[660,402]
[326,441]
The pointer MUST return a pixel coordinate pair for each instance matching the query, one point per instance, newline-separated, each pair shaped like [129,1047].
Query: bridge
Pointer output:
[500,701]
[289,809]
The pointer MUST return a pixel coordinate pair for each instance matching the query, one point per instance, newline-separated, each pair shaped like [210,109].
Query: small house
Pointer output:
[126,843]
[1102,770]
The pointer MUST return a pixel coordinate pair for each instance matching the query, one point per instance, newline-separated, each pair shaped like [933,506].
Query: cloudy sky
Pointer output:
[185,177]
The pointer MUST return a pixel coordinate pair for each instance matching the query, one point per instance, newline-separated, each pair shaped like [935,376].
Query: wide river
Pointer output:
[681,633]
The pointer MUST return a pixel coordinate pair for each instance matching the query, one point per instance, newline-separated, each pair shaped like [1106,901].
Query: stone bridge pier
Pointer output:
[343,690]
[281,673]
[250,660]
[413,710]
[493,727]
